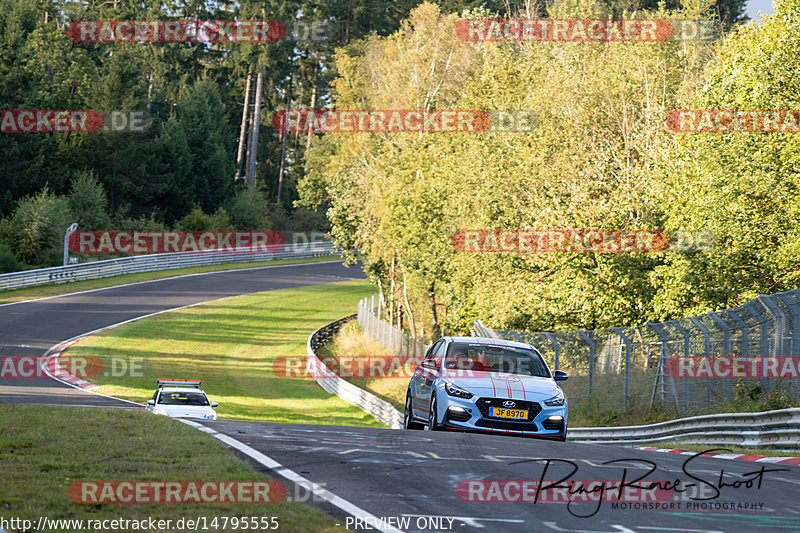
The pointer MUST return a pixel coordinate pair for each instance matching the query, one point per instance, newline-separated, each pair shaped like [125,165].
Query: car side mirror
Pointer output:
[558,375]
[151,402]
[214,404]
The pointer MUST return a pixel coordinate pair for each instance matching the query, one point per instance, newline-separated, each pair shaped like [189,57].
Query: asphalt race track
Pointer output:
[412,476]
[31,328]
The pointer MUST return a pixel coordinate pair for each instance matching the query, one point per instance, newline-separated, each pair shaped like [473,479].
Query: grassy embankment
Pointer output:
[44,450]
[231,344]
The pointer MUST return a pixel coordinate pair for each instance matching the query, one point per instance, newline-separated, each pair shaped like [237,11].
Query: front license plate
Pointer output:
[509,413]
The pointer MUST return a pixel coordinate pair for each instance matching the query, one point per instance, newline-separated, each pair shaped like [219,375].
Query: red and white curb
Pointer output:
[736,456]
[50,364]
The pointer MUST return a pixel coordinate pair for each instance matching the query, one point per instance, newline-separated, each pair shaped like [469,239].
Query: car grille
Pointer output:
[553,424]
[485,404]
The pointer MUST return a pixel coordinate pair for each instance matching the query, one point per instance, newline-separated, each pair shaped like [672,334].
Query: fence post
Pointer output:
[790,299]
[627,342]
[707,349]
[592,346]
[726,349]
[746,347]
[556,347]
[686,344]
[780,321]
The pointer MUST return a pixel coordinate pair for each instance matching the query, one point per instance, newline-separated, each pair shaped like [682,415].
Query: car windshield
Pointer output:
[486,358]
[183,398]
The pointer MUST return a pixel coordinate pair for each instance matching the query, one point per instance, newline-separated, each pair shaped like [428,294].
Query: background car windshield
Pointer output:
[477,357]
[183,398]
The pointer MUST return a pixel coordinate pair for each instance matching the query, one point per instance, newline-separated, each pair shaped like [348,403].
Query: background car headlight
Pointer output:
[452,390]
[556,400]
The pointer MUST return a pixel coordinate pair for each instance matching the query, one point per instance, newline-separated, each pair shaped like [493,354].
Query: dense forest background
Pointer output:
[599,158]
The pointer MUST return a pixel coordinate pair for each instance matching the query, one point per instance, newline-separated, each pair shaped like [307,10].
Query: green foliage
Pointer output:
[247,211]
[196,220]
[742,187]
[88,202]
[589,164]
[8,261]
[37,227]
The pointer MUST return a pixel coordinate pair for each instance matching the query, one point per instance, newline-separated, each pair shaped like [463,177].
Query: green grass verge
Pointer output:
[55,289]
[44,450]
[231,345]
[352,343]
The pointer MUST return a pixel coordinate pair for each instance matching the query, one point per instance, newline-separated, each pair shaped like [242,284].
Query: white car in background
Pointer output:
[181,398]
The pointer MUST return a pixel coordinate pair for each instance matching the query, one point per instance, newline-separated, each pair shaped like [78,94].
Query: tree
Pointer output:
[88,202]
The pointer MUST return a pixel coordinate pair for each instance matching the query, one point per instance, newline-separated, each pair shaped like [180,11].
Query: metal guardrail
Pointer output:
[153,262]
[769,428]
[382,410]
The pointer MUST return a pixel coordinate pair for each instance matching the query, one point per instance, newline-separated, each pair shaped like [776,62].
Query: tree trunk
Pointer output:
[284,139]
[436,330]
[254,127]
[391,292]
[411,323]
[311,109]
[243,127]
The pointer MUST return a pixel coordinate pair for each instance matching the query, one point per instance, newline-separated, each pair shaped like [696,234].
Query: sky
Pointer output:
[754,6]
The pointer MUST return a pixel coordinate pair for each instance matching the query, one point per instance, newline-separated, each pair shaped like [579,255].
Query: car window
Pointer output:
[183,398]
[487,358]
[441,349]
[433,349]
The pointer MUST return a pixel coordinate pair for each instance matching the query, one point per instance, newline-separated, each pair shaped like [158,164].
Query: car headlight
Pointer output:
[555,401]
[452,390]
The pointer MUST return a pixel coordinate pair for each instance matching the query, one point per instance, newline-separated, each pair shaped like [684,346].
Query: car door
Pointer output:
[430,373]
[154,398]
[418,383]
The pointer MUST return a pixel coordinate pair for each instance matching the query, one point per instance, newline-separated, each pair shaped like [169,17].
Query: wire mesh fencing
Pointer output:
[402,344]
[687,364]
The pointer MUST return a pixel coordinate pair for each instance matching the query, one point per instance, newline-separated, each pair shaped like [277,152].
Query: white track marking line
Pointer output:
[159,279]
[346,506]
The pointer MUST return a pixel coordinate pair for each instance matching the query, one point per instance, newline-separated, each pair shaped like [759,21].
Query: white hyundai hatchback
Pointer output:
[181,398]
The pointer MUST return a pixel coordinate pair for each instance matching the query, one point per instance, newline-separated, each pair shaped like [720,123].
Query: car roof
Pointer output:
[491,342]
[180,389]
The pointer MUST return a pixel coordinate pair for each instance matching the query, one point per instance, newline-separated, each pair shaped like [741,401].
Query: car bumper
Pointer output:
[547,423]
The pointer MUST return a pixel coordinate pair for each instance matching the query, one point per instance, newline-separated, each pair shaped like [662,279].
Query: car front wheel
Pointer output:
[408,419]
[432,424]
